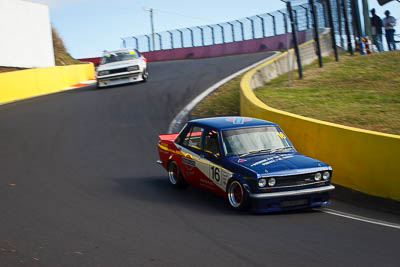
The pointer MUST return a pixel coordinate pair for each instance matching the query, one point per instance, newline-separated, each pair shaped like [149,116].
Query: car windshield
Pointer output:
[118,56]
[252,140]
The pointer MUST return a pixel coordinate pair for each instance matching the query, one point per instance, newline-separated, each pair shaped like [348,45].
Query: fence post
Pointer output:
[202,35]
[347,27]
[316,32]
[212,34]
[326,12]
[284,20]
[160,40]
[357,19]
[332,25]
[233,31]
[307,17]
[339,17]
[262,25]
[222,32]
[191,36]
[181,33]
[172,39]
[296,44]
[296,23]
[252,28]
[148,42]
[273,22]
[137,42]
[241,27]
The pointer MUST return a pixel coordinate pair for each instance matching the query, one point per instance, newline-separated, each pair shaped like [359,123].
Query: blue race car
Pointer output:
[249,161]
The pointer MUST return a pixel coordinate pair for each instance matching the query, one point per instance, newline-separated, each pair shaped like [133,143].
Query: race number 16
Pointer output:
[215,174]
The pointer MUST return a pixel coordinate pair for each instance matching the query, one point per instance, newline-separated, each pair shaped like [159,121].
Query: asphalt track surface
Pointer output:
[79,187]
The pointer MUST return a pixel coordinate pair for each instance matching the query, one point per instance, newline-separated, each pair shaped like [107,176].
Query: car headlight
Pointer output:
[317,176]
[262,182]
[133,68]
[103,72]
[326,175]
[271,182]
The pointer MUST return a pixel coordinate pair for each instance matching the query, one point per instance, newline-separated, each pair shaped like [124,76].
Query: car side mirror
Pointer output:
[216,155]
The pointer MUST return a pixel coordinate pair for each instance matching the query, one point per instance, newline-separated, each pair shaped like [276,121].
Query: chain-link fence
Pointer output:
[258,26]
[311,16]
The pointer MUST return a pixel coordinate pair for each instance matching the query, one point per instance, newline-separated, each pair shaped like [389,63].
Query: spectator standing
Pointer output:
[376,25]
[389,22]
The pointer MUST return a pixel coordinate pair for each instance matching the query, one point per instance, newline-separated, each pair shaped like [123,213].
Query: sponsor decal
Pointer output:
[225,177]
[238,120]
[260,162]
[241,160]
[270,160]
[189,162]
[275,160]
[281,135]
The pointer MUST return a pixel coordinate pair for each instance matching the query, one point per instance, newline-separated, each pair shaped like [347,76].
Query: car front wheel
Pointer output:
[145,75]
[238,197]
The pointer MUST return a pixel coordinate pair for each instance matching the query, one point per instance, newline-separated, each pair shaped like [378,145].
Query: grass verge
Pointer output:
[358,91]
[223,101]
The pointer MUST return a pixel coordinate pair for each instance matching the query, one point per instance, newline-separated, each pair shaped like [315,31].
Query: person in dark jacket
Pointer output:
[376,25]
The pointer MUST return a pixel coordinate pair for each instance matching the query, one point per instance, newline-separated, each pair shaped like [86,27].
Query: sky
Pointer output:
[90,26]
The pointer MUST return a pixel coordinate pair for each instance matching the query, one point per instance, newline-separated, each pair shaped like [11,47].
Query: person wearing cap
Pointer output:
[389,22]
[376,29]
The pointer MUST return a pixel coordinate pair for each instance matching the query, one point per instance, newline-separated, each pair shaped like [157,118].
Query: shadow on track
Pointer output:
[159,191]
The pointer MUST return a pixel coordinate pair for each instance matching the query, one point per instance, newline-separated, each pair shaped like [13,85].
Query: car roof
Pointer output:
[119,50]
[231,122]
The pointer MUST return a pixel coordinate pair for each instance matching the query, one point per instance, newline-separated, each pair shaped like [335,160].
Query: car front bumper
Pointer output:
[119,79]
[291,200]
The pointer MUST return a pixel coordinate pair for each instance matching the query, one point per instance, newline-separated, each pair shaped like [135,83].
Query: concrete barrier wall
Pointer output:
[362,160]
[241,47]
[17,85]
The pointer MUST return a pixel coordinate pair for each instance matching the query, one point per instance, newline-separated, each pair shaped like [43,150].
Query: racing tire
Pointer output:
[100,87]
[145,75]
[238,197]
[175,176]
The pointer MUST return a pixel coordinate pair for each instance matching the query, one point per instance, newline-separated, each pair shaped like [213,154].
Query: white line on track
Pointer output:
[177,121]
[358,218]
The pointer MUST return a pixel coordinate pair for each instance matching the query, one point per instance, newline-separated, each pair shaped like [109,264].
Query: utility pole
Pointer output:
[152,26]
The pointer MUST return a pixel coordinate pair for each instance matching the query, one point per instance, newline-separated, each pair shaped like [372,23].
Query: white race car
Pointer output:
[121,66]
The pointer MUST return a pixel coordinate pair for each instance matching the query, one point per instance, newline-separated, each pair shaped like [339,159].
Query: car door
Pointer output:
[191,147]
[211,158]
[201,159]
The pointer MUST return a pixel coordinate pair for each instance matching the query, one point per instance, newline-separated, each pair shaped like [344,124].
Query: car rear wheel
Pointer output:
[238,197]
[175,176]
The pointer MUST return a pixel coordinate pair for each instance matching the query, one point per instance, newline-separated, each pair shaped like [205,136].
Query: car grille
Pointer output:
[295,180]
[118,70]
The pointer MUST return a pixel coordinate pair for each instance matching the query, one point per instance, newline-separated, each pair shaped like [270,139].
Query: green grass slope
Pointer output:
[358,91]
